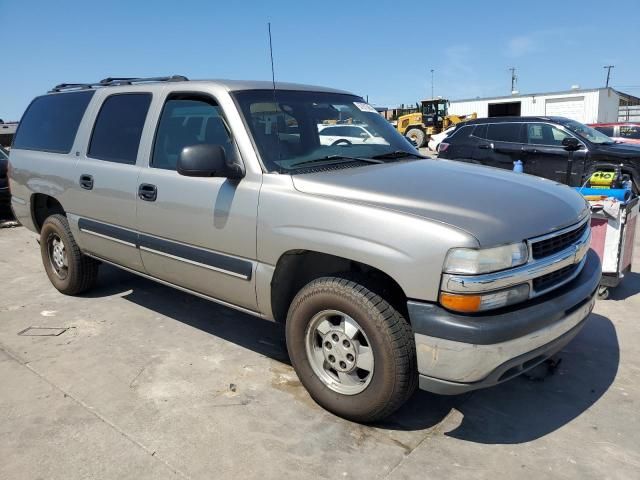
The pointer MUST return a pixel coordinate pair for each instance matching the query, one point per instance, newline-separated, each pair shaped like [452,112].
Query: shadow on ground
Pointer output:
[520,410]
[629,286]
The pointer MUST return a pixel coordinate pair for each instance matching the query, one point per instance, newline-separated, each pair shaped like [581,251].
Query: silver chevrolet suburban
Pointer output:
[388,269]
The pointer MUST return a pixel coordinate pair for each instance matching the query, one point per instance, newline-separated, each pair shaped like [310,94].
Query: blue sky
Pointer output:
[382,49]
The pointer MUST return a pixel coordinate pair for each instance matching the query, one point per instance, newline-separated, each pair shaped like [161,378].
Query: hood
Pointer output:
[496,206]
[619,150]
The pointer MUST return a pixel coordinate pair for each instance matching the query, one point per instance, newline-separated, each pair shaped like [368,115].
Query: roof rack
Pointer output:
[114,81]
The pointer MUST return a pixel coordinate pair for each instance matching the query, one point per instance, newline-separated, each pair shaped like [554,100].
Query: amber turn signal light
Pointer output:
[461,303]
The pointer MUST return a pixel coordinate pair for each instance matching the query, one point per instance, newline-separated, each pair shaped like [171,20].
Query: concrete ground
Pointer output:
[148,382]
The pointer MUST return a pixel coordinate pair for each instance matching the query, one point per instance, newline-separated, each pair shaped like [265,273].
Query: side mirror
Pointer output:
[205,160]
[571,144]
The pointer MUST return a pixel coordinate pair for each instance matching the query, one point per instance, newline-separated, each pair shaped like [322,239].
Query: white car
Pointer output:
[436,139]
[348,135]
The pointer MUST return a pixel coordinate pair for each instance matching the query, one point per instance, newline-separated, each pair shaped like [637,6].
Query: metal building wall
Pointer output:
[598,105]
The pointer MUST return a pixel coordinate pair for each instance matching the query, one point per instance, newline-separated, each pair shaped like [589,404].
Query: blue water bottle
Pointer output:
[518,167]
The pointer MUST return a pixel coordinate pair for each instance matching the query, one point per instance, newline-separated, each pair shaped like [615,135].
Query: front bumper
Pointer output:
[459,353]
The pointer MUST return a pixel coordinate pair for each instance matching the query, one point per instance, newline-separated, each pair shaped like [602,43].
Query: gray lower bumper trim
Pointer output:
[504,372]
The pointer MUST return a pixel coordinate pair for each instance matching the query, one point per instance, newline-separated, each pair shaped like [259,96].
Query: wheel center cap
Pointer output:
[339,351]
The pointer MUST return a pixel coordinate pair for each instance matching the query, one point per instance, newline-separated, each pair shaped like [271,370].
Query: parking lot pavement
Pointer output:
[148,382]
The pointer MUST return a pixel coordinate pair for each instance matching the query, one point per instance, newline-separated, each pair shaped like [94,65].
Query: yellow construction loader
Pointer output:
[430,117]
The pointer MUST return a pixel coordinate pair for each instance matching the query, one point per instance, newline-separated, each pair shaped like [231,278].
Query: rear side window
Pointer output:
[504,132]
[118,128]
[51,122]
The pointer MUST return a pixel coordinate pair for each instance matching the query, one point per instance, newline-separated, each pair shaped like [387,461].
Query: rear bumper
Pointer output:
[22,212]
[458,353]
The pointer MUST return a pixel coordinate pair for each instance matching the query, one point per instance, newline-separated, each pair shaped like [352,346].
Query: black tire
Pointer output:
[394,377]
[81,271]
[342,141]
[603,293]
[417,135]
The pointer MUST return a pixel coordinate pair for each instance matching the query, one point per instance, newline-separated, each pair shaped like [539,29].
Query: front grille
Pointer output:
[549,246]
[552,279]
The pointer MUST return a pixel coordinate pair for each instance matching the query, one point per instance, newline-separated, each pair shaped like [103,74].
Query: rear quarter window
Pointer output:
[51,122]
[462,132]
[480,131]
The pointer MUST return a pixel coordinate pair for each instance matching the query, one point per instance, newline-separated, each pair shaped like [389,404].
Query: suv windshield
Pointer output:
[588,133]
[293,129]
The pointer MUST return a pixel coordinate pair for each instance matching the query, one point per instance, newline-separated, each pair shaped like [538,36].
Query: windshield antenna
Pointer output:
[273,75]
[273,83]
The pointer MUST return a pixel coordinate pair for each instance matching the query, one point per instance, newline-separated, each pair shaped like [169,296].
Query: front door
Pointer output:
[546,157]
[104,197]
[197,233]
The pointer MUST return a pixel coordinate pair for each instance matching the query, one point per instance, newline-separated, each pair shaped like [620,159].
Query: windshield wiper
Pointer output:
[398,154]
[339,158]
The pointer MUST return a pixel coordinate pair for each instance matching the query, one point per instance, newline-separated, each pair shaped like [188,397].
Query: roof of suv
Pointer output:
[510,120]
[230,85]
[615,124]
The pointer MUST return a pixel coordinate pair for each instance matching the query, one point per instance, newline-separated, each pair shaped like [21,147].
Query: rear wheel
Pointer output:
[417,136]
[603,292]
[353,352]
[68,269]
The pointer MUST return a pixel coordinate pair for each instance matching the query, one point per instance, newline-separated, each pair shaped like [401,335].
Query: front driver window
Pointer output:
[188,121]
[545,134]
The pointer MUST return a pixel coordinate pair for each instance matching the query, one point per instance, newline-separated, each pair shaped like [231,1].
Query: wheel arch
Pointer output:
[42,206]
[295,268]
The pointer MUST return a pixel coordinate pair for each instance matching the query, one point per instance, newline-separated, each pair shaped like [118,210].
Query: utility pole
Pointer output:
[514,78]
[608,68]
[432,70]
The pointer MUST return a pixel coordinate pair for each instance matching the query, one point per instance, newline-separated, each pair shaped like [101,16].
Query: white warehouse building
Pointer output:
[596,105]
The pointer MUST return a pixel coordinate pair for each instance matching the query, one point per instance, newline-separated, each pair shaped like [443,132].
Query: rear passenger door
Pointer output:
[194,232]
[106,176]
[546,157]
[500,144]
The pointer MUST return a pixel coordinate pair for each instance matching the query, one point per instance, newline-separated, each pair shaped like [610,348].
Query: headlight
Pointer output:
[471,261]
[485,301]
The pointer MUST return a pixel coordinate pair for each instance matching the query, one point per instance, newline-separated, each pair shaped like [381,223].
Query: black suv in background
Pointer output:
[544,145]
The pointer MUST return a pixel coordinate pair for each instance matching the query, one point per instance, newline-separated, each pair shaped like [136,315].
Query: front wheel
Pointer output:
[353,351]
[417,136]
